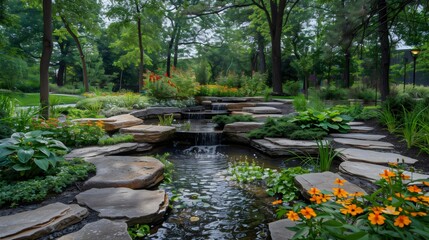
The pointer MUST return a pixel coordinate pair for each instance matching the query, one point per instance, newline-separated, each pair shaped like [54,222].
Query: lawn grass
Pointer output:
[33,99]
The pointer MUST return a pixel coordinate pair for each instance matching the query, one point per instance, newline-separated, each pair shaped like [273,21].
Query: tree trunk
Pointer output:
[262,65]
[170,48]
[346,72]
[46,57]
[141,49]
[82,56]
[277,13]
[61,73]
[383,31]
[176,46]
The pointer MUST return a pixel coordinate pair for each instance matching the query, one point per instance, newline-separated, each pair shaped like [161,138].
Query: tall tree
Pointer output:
[46,57]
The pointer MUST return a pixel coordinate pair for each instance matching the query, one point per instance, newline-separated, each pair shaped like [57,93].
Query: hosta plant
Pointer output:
[328,120]
[29,154]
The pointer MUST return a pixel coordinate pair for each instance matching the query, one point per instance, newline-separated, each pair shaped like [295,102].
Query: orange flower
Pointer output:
[293,216]
[99,124]
[339,181]
[339,192]
[405,177]
[387,174]
[376,218]
[412,199]
[424,198]
[308,212]
[426,183]
[316,198]
[356,194]
[393,164]
[313,191]
[402,221]
[390,210]
[276,202]
[325,197]
[420,214]
[352,209]
[377,210]
[414,189]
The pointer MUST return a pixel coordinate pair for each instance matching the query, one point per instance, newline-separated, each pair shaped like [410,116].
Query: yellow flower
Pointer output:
[420,214]
[402,221]
[316,198]
[377,210]
[352,209]
[308,212]
[339,192]
[424,199]
[414,189]
[313,191]
[376,218]
[412,199]
[387,174]
[325,197]
[426,183]
[276,202]
[339,181]
[390,210]
[356,194]
[293,216]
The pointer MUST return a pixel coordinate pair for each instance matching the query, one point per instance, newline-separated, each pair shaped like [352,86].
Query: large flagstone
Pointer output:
[370,156]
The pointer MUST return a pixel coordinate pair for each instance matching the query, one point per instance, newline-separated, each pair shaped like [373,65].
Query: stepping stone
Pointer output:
[101,229]
[360,136]
[239,106]
[108,150]
[324,182]
[131,206]
[150,133]
[264,117]
[279,231]
[262,110]
[41,222]
[360,129]
[121,121]
[241,127]
[287,101]
[241,113]
[293,143]
[93,120]
[125,171]
[359,155]
[274,149]
[269,104]
[364,143]
[155,111]
[356,123]
[371,172]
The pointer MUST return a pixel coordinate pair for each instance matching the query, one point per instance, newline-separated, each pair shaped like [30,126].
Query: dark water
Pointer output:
[208,205]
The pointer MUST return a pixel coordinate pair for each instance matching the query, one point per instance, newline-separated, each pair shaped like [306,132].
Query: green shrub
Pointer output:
[127,100]
[231,80]
[327,120]
[115,139]
[292,88]
[26,155]
[222,120]
[139,231]
[180,103]
[73,113]
[280,127]
[253,86]
[333,93]
[300,103]
[308,134]
[66,173]
[364,93]
[368,113]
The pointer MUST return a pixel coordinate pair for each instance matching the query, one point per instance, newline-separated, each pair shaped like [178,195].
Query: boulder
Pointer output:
[88,152]
[40,222]
[122,121]
[101,229]
[360,136]
[324,182]
[155,111]
[150,133]
[131,206]
[367,144]
[279,231]
[262,110]
[125,171]
[369,156]
[241,127]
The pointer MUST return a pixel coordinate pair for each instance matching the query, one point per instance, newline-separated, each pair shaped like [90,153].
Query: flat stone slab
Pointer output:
[40,222]
[239,106]
[101,229]
[122,121]
[360,136]
[131,206]
[356,123]
[323,181]
[371,172]
[242,127]
[88,152]
[264,117]
[125,171]
[150,133]
[269,104]
[279,231]
[293,143]
[369,156]
[262,110]
[241,113]
[155,111]
[360,129]
[364,143]
[274,149]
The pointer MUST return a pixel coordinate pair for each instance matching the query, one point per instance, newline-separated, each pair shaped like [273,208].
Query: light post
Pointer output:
[414,53]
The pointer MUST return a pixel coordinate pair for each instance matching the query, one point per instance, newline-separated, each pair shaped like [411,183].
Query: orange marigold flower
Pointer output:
[426,183]
[377,210]
[405,177]
[277,202]
[424,198]
[414,189]
[340,181]
[308,212]
[390,210]
[325,197]
[313,191]
[387,174]
[339,192]
[412,199]
[356,194]
[376,218]
[402,221]
[316,198]
[352,209]
[293,216]
[393,164]
[420,214]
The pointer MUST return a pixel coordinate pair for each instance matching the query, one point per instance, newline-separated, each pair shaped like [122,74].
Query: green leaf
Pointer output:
[358,236]
[337,119]
[42,164]
[5,152]
[21,167]
[25,154]
[44,150]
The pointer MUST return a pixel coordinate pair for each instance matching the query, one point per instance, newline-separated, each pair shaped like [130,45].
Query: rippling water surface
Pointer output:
[209,206]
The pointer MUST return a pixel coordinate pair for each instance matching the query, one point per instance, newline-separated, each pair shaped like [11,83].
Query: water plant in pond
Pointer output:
[139,231]
[168,166]
[166,119]
[397,210]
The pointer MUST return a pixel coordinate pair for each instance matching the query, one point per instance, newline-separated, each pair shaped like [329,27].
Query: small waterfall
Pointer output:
[208,138]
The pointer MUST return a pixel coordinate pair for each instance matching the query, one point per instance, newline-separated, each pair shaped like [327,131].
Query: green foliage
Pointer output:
[166,119]
[333,93]
[66,89]
[162,88]
[7,106]
[180,85]
[388,119]
[411,127]
[73,113]
[138,231]
[327,120]
[37,189]
[127,100]
[300,103]
[292,88]
[280,127]
[115,139]
[368,113]
[253,86]
[280,184]
[30,154]
[222,120]
[180,103]
[168,167]
[326,155]
[23,119]
[308,134]
[364,93]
